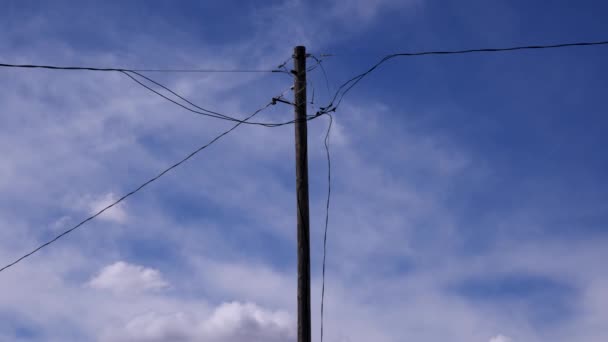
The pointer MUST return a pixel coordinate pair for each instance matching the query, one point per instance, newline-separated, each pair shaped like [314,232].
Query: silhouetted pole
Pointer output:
[299,59]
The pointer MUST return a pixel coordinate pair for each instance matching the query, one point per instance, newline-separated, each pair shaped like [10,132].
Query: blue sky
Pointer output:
[469,192]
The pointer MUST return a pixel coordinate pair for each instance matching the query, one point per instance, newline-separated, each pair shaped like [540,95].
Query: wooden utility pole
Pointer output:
[299,61]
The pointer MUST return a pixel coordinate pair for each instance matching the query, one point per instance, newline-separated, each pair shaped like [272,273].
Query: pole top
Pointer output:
[299,49]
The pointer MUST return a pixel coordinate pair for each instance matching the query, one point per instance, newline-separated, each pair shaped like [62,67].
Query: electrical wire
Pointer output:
[319,63]
[129,72]
[282,66]
[207,112]
[326,142]
[348,85]
[151,180]
[213,70]
[55,67]
[203,111]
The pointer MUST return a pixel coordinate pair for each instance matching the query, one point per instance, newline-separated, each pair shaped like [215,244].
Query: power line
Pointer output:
[333,105]
[183,160]
[200,110]
[128,73]
[56,67]
[326,142]
[212,70]
[205,112]
[348,85]
[514,48]
[320,64]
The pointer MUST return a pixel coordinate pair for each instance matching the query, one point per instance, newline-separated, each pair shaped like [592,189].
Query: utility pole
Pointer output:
[301,137]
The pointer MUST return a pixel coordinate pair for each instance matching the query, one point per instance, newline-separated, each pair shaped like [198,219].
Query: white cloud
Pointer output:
[121,277]
[154,326]
[235,321]
[116,214]
[230,322]
[500,338]
[90,140]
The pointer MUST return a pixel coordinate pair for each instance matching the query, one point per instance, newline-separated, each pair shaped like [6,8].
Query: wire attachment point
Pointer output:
[279,99]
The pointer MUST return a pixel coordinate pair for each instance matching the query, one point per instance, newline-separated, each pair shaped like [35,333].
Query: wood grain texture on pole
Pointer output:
[303,232]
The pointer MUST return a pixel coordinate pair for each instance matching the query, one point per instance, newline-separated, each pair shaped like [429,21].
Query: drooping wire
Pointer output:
[320,64]
[326,142]
[151,180]
[131,72]
[201,110]
[348,85]
[55,67]
[212,70]
[206,112]
[312,98]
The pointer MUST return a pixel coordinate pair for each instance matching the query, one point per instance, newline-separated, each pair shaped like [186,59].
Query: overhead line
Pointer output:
[326,142]
[514,48]
[200,110]
[210,70]
[348,85]
[151,180]
[128,73]
[56,67]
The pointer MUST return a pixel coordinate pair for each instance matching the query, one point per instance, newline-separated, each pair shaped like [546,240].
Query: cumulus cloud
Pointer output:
[122,277]
[402,193]
[154,326]
[230,322]
[501,338]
